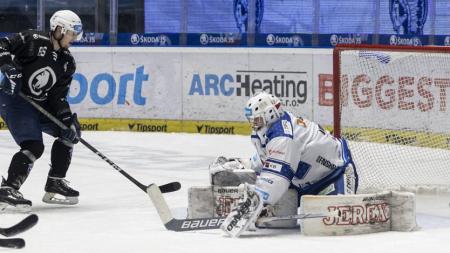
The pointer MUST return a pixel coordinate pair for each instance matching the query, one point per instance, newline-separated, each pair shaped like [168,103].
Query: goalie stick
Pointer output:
[264,220]
[180,225]
[170,187]
[21,226]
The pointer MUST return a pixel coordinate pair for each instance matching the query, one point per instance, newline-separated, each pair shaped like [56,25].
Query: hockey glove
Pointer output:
[222,163]
[73,132]
[10,80]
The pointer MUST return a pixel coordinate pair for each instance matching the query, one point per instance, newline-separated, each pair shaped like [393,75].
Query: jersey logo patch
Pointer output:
[42,51]
[287,128]
[42,79]
[273,166]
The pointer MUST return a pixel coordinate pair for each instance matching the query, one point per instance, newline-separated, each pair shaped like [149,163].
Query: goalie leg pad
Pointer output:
[359,214]
[217,201]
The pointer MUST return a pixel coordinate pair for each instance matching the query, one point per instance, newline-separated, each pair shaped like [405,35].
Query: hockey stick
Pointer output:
[180,225]
[263,220]
[21,226]
[170,187]
[13,243]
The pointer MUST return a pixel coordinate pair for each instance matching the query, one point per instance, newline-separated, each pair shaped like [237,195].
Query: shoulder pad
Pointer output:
[281,127]
[33,35]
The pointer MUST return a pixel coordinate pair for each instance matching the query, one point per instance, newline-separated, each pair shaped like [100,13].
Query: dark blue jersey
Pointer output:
[46,73]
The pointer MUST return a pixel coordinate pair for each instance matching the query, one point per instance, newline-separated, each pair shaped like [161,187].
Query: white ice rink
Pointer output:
[115,216]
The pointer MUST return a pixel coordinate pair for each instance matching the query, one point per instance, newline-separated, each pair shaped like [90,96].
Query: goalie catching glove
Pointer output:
[222,163]
[230,172]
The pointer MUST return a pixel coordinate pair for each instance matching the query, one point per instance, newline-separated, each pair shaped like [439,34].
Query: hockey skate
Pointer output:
[58,192]
[12,197]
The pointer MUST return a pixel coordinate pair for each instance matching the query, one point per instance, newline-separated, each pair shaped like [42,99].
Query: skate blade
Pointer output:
[7,208]
[54,198]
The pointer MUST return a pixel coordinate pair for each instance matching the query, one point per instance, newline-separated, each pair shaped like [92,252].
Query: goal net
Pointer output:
[390,103]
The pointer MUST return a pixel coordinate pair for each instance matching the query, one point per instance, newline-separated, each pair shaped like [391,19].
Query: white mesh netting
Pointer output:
[394,112]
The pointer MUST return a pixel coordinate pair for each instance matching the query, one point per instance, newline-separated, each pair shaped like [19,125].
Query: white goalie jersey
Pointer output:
[298,151]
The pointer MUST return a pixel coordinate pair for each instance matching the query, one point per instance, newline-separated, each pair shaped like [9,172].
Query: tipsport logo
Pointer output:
[408,16]
[154,40]
[138,127]
[290,86]
[107,88]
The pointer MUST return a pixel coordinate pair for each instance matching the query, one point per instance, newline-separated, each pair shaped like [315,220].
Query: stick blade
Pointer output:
[13,243]
[20,227]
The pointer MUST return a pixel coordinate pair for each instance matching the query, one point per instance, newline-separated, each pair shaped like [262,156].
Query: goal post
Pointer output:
[391,104]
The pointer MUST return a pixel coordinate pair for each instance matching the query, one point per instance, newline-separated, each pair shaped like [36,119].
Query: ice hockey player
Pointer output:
[42,69]
[291,151]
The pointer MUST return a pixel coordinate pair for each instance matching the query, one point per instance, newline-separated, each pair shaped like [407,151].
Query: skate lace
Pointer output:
[15,193]
[64,182]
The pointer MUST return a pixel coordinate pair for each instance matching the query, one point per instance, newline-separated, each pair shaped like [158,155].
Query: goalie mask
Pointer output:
[262,110]
[68,21]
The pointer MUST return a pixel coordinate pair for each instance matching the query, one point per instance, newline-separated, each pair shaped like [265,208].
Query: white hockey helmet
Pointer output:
[262,110]
[68,21]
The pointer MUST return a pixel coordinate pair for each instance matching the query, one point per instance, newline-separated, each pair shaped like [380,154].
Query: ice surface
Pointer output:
[115,216]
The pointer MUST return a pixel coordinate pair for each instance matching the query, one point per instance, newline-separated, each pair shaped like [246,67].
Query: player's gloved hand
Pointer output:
[73,132]
[10,79]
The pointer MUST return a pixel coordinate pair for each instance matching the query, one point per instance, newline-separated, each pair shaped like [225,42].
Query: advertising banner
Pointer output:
[126,83]
[216,85]
[323,87]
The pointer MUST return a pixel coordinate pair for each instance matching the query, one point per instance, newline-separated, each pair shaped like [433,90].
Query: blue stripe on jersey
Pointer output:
[277,130]
[278,167]
[255,136]
[333,176]
[345,151]
[302,169]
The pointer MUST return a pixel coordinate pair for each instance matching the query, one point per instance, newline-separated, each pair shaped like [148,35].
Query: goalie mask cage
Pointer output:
[391,104]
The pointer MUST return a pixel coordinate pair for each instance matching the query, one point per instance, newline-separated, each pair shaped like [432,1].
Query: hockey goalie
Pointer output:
[295,159]
[293,151]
